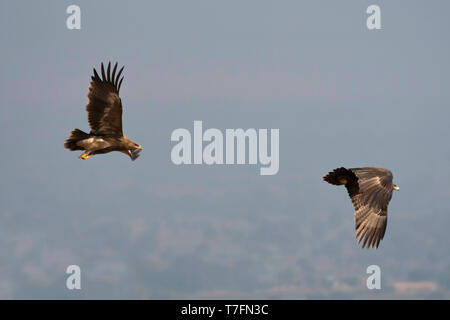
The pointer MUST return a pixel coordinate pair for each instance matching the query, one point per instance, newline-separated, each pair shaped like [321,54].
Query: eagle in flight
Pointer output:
[370,190]
[105,119]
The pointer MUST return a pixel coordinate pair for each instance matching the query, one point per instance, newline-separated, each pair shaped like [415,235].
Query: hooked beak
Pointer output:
[396,187]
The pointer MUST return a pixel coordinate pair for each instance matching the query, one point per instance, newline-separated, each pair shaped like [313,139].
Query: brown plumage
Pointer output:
[105,119]
[370,190]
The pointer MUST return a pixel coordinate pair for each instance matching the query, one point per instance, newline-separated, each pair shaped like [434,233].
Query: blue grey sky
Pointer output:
[340,94]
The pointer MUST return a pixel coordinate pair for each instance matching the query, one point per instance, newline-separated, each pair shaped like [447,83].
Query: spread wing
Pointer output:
[371,197]
[105,107]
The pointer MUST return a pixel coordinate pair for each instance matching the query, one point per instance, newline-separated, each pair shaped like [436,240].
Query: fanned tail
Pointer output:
[340,176]
[75,136]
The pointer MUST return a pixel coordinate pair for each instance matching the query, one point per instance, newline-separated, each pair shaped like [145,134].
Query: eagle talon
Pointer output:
[85,156]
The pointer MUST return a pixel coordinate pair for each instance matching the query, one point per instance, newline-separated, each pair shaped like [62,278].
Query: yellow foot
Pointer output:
[85,156]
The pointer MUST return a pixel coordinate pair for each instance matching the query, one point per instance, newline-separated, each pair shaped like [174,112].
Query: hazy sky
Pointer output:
[340,94]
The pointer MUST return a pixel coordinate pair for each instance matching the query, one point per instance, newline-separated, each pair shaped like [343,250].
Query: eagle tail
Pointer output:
[339,176]
[75,136]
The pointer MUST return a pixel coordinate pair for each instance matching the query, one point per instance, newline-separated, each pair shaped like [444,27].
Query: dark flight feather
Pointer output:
[105,106]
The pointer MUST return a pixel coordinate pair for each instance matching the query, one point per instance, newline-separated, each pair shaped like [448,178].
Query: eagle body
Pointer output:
[370,190]
[105,119]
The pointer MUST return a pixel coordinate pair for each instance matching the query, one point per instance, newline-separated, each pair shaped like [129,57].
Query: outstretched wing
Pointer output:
[105,107]
[370,198]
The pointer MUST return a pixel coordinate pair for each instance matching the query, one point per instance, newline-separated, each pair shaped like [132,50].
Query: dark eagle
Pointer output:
[370,190]
[105,119]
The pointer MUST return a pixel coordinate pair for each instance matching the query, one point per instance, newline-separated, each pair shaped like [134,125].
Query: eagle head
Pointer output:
[133,148]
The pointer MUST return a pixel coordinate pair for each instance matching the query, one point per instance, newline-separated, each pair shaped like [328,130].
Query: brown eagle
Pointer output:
[105,119]
[370,190]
